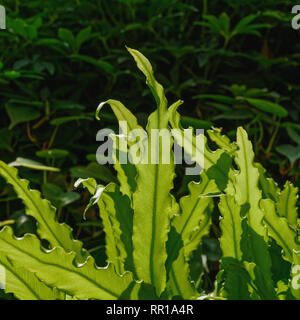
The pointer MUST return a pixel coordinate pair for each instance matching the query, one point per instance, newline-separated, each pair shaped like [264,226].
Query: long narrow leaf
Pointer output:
[57,269]
[48,227]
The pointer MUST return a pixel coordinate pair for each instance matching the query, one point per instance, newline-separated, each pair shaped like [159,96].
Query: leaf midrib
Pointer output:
[61,267]
[25,191]
[11,270]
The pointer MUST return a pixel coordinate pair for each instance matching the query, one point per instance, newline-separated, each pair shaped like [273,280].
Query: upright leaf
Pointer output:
[152,202]
[215,163]
[128,123]
[117,215]
[295,273]
[279,230]
[232,232]
[221,140]
[194,216]
[286,205]
[248,195]
[188,228]
[117,218]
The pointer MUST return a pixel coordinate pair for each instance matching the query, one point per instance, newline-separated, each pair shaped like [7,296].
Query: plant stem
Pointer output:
[96,248]
[59,212]
[52,138]
[271,142]
[204,6]
[6,222]
[44,176]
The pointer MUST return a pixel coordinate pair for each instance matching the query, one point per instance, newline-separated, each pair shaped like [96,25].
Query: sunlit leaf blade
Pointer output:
[152,203]
[121,113]
[295,273]
[179,278]
[89,183]
[31,164]
[95,198]
[268,186]
[279,230]
[127,122]
[248,195]
[236,286]
[194,215]
[126,172]
[216,163]
[48,227]
[156,88]
[286,205]
[117,215]
[117,218]
[57,268]
[25,285]
[221,140]
[188,229]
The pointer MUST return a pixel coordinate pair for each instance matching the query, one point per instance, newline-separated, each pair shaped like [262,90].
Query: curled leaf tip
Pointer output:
[99,109]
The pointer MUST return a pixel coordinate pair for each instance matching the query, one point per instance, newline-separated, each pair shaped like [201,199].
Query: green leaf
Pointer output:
[63,120]
[279,230]
[221,140]
[121,113]
[27,163]
[83,36]
[295,275]
[293,134]
[268,186]
[248,195]
[117,215]
[89,183]
[244,26]
[236,286]
[68,37]
[156,88]
[213,23]
[268,106]
[6,139]
[286,204]
[289,151]
[126,172]
[215,163]
[94,170]
[224,21]
[12,74]
[25,285]
[195,215]
[231,226]
[19,115]
[179,278]
[57,196]
[240,26]
[48,227]
[186,234]
[52,154]
[195,123]
[67,105]
[57,269]
[152,202]
[101,64]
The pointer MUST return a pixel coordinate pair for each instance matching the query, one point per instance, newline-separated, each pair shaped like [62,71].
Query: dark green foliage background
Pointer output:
[60,58]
